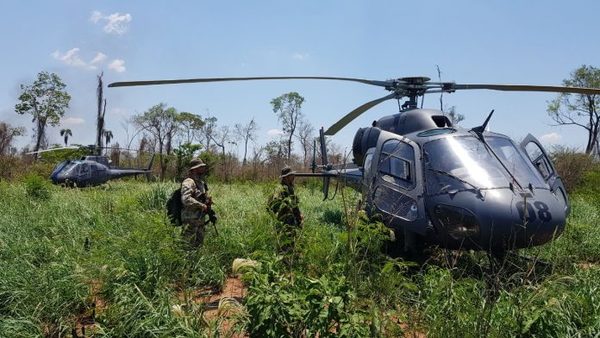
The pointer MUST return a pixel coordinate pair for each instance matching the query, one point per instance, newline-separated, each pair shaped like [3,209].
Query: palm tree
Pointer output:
[66,133]
[108,135]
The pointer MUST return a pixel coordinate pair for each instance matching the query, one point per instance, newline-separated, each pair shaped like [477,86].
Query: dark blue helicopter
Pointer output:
[91,171]
[435,183]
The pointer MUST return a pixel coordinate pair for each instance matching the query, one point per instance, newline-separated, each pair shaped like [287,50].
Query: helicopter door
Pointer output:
[398,187]
[541,161]
[84,171]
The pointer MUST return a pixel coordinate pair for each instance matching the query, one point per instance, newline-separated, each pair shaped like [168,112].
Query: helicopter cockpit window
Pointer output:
[396,163]
[538,159]
[515,161]
[68,169]
[84,168]
[466,163]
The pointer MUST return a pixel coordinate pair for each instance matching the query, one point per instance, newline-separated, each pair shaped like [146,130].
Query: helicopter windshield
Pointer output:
[70,168]
[466,163]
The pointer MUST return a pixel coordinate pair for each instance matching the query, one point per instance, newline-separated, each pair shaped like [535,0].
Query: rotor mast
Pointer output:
[411,88]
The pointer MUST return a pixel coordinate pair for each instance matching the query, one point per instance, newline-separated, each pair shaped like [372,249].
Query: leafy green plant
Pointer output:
[285,304]
[37,187]
[156,198]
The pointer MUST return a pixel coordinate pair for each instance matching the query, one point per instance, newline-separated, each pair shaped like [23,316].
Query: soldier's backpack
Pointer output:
[174,207]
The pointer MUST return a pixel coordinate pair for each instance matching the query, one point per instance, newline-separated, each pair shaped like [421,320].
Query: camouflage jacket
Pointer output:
[194,193]
[284,205]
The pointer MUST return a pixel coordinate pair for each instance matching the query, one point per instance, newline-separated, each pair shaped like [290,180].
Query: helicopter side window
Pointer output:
[84,169]
[539,160]
[368,161]
[396,163]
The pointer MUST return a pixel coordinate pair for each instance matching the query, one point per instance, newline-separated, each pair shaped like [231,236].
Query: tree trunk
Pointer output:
[245,152]
[41,130]
[163,168]
[289,149]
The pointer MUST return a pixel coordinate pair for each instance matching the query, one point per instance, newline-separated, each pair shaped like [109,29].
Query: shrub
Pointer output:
[155,198]
[283,304]
[37,187]
[571,166]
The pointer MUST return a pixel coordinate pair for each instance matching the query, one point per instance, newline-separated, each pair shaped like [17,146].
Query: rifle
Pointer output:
[212,215]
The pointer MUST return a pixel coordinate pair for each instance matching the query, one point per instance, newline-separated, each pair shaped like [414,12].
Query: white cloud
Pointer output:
[117,65]
[98,58]
[274,132]
[115,23]
[72,121]
[300,56]
[96,16]
[551,138]
[72,58]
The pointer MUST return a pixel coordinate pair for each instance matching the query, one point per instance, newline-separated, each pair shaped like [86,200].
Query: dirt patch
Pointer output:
[224,308]
[233,288]
[586,265]
[85,322]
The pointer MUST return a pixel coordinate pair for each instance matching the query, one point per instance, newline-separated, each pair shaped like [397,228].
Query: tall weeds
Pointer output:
[107,255]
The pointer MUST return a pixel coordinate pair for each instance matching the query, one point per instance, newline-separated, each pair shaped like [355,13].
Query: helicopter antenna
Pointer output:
[480,129]
[441,92]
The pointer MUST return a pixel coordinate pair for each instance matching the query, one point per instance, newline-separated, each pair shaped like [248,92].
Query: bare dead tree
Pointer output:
[101,103]
[306,134]
[207,131]
[246,133]
[222,138]
[7,135]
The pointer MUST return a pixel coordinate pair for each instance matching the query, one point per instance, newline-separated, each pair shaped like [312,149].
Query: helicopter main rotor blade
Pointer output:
[341,123]
[224,79]
[51,149]
[528,88]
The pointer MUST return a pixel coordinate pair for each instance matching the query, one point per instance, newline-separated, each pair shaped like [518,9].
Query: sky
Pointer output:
[513,42]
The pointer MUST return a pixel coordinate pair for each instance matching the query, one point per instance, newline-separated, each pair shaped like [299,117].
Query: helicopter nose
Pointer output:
[497,221]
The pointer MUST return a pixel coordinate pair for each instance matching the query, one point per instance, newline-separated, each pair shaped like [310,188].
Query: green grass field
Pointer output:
[105,259]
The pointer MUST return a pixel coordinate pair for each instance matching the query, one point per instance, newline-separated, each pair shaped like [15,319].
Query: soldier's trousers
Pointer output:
[193,233]
[286,237]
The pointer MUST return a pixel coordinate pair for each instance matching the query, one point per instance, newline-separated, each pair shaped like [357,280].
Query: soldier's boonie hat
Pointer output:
[286,171]
[196,163]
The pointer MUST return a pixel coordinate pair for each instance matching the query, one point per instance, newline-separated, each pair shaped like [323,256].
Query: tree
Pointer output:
[189,124]
[305,136]
[7,135]
[288,108]
[580,109]
[275,151]
[184,154]
[46,100]
[454,116]
[221,138]
[101,103]
[161,122]
[66,133]
[208,131]
[108,135]
[246,133]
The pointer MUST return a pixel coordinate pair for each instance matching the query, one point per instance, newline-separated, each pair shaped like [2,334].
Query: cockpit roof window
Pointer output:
[437,131]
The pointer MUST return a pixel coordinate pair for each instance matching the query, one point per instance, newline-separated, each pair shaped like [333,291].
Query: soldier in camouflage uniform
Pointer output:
[194,199]
[284,206]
